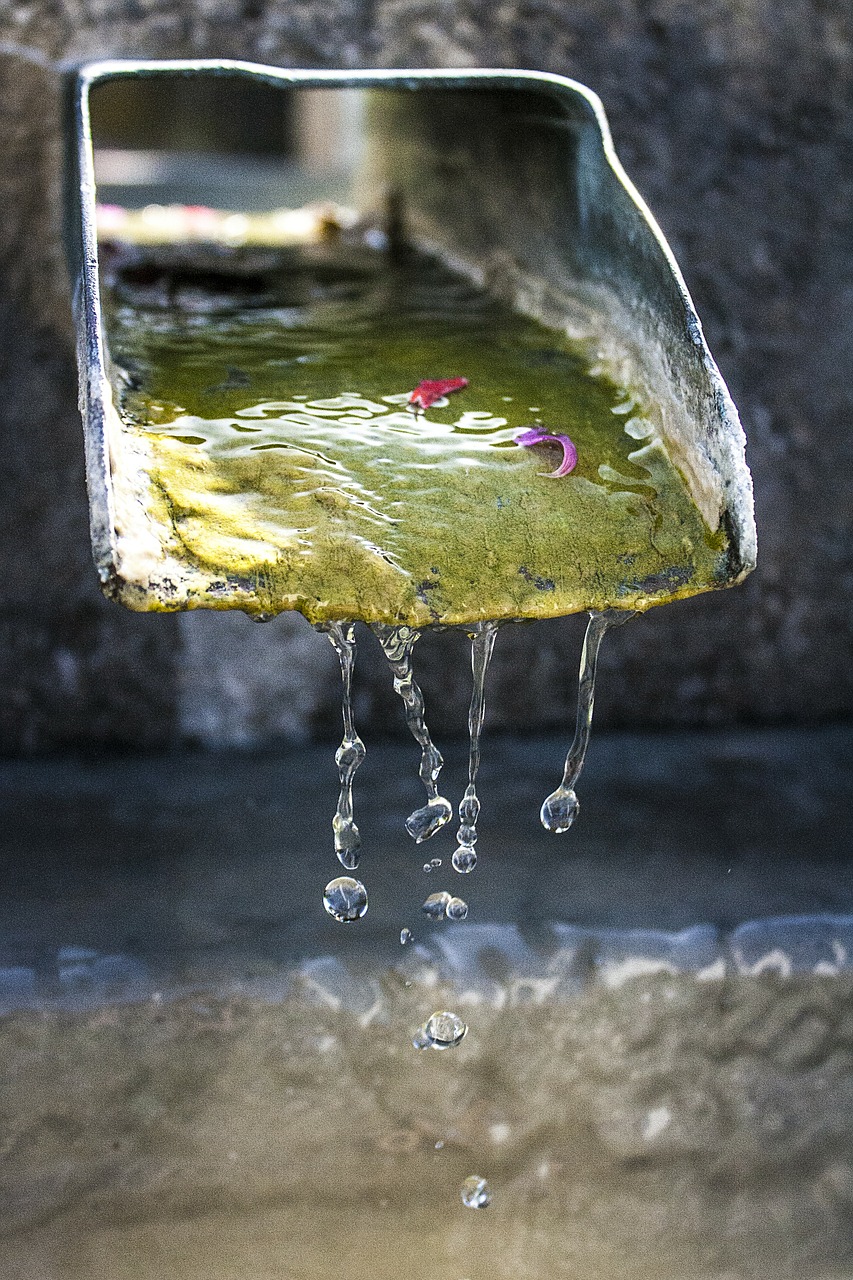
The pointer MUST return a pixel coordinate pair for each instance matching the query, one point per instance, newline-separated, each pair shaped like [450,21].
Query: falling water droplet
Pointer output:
[475,1192]
[442,1030]
[436,905]
[457,909]
[482,646]
[349,754]
[406,936]
[423,823]
[397,645]
[345,899]
[559,811]
[560,808]
[464,860]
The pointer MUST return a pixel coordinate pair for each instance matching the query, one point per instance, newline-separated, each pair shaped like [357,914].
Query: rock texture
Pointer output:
[734,120]
[672,1130]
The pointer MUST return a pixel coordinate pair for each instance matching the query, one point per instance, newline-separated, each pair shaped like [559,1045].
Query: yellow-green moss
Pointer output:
[287,461]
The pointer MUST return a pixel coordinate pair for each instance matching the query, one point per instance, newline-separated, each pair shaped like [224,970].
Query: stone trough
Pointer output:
[509,178]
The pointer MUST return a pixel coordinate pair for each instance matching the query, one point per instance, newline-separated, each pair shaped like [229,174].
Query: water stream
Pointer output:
[349,754]
[558,811]
[560,808]
[397,645]
[482,647]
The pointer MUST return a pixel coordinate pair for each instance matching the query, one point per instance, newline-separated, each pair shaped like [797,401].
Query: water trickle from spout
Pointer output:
[397,645]
[482,646]
[349,754]
[561,807]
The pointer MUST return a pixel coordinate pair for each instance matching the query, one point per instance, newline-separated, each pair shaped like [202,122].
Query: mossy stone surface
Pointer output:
[287,468]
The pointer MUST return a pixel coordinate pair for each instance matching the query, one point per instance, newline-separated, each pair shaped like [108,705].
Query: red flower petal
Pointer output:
[426,393]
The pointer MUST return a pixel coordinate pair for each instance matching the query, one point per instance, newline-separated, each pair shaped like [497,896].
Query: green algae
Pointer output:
[285,462]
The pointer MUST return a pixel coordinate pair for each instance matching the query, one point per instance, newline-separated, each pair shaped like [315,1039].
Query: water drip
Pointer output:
[443,906]
[397,645]
[350,753]
[482,646]
[436,905]
[475,1192]
[561,807]
[345,899]
[442,1030]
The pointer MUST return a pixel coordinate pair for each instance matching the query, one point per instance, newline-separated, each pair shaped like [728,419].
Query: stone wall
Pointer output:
[736,122]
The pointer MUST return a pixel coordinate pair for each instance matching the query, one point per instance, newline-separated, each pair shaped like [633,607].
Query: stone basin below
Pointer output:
[204,1075]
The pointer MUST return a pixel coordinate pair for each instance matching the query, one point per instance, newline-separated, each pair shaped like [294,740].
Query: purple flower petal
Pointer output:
[538,435]
[533,436]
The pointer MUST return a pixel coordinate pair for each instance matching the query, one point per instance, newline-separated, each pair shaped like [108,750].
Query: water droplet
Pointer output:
[457,909]
[559,810]
[464,860]
[427,867]
[561,807]
[435,862]
[436,905]
[406,935]
[475,1192]
[423,823]
[345,899]
[442,1030]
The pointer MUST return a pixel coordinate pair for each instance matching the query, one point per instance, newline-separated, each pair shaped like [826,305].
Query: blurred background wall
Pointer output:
[735,119]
